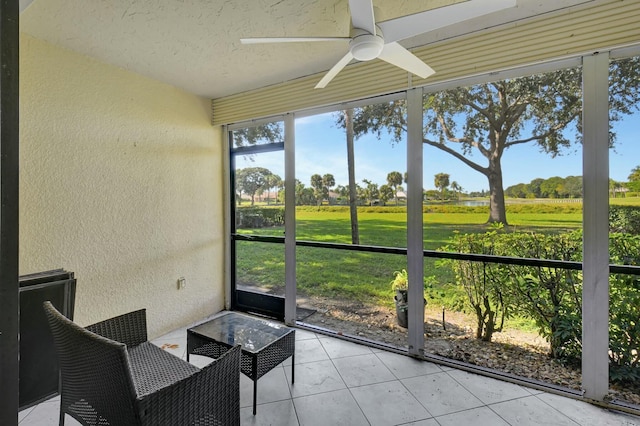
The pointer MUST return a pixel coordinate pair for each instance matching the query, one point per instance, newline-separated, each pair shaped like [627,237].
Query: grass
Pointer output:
[365,277]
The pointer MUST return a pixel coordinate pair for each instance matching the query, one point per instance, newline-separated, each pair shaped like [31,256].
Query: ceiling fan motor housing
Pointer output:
[365,46]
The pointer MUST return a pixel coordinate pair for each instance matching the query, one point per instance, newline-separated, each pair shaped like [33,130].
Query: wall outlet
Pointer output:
[182,283]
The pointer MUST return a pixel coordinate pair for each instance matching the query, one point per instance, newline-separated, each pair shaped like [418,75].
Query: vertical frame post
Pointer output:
[289,220]
[595,169]
[9,212]
[415,256]
[229,218]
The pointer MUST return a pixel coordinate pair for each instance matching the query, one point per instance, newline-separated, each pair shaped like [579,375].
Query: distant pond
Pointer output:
[467,203]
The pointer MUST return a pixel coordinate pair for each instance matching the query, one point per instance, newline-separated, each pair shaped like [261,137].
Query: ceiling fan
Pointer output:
[370,40]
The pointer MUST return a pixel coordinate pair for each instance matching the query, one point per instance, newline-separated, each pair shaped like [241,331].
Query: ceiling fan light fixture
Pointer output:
[366,41]
[366,47]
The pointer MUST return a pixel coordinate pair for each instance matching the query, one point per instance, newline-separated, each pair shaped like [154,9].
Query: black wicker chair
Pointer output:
[111,375]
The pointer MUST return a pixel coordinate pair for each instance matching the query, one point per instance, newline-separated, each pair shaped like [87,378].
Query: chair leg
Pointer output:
[61,420]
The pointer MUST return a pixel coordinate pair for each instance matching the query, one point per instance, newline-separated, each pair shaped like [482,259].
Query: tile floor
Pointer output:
[342,383]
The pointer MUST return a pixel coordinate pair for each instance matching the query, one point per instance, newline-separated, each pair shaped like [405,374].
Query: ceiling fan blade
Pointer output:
[419,23]
[263,40]
[397,55]
[334,71]
[362,15]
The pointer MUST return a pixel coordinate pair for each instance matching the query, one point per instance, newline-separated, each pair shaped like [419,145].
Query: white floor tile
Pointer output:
[403,366]
[271,387]
[314,377]
[176,345]
[362,370]
[46,414]
[476,416]
[336,348]
[337,408]
[586,414]
[305,334]
[440,394]
[200,361]
[423,389]
[428,422]
[179,333]
[24,413]
[308,351]
[389,404]
[532,391]
[280,413]
[486,389]
[530,411]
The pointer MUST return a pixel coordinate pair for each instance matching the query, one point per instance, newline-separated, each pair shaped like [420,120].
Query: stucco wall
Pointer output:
[121,183]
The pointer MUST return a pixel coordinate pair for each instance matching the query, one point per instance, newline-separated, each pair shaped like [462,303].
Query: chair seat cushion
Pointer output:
[153,368]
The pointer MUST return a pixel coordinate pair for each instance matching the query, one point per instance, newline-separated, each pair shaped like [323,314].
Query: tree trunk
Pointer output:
[353,196]
[480,316]
[497,210]
[490,323]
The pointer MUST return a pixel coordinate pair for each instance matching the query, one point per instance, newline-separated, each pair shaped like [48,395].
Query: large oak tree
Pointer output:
[488,119]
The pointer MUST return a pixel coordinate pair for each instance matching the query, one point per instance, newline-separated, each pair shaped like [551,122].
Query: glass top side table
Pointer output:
[265,344]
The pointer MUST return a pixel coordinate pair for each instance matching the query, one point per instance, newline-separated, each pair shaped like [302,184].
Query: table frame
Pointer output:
[253,364]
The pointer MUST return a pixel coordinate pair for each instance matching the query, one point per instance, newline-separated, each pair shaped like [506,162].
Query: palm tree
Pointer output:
[634,179]
[353,195]
[394,179]
[441,181]
[328,182]
[456,188]
[271,181]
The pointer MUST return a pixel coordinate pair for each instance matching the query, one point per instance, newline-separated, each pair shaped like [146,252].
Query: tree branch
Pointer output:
[484,112]
[459,156]
[452,138]
[549,132]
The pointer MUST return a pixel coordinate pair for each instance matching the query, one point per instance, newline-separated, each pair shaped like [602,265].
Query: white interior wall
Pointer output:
[121,182]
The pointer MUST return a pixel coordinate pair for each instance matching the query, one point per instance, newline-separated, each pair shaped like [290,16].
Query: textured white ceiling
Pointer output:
[194,44]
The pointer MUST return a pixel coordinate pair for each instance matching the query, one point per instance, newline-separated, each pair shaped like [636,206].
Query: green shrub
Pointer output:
[549,296]
[449,208]
[545,208]
[624,311]
[552,297]
[259,217]
[345,209]
[624,219]
[483,282]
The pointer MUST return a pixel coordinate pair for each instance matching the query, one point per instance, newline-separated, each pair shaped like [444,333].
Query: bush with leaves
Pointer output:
[483,282]
[259,217]
[552,297]
[624,310]
[625,219]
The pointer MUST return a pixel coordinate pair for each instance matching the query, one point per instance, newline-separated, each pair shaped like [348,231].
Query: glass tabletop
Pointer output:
[233,328]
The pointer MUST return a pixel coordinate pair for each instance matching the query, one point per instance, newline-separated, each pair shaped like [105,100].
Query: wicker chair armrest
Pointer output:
[208,397]
[130,328]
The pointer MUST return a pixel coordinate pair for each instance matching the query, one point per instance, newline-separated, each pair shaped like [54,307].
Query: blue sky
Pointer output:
[321,149]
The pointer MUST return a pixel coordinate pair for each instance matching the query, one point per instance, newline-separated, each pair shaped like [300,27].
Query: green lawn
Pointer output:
[365,277]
